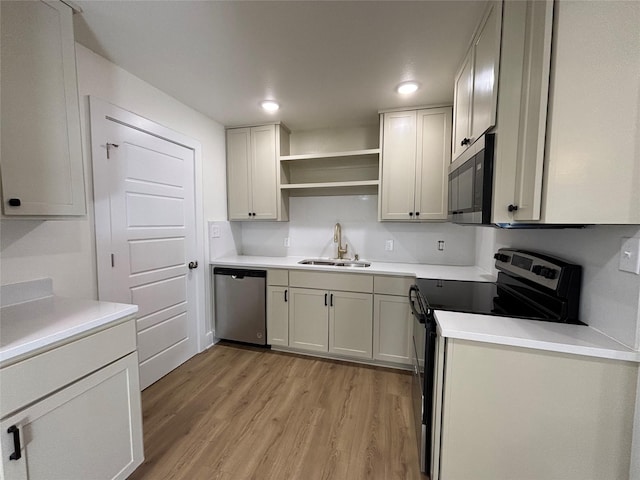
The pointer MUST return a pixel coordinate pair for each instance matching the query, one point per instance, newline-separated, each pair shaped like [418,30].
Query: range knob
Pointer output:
[537,269]
[551,273]
[501,257]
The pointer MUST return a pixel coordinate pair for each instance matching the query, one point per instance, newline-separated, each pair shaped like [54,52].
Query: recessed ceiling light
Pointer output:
[407,87]
[270,105]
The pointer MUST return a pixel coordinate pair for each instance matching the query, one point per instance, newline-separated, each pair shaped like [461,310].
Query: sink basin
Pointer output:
[316,261]
[352,263]
[334,262]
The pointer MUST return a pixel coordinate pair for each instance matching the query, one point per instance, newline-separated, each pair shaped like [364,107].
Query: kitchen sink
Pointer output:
[335,262]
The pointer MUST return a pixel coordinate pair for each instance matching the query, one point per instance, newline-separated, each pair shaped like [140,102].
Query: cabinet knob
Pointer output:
[411,214]
[512,208]
[465,141]
[14,202]
[417,214]
[193,265]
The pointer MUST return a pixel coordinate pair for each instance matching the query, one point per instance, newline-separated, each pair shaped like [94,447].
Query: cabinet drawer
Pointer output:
[278,277]
[36,377]
[350,282]
[392,285]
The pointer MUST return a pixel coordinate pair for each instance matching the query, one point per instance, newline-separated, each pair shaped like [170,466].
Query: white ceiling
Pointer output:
[328,63]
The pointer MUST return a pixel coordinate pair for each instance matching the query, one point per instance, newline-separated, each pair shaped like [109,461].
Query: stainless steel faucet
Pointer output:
[337,238]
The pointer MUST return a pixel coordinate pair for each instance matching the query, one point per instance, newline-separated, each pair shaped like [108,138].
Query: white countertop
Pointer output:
[32,325]
[447,272]
[553,337]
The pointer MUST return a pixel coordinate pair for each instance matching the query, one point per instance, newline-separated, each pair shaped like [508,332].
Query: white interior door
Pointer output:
[144,185]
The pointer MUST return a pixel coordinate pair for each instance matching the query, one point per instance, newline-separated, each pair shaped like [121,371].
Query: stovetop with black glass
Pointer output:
[530,285]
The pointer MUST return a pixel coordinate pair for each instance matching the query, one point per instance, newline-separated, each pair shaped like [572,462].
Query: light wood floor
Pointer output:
[236,413]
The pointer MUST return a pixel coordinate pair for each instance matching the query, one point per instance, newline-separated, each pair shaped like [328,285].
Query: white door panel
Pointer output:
[160,316]
[162,336]
[154,167]
[150,254]
[154,211]
[159,295]
[148,183]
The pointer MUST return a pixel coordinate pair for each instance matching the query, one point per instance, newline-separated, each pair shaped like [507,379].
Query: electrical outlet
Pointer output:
[214,230]
[388,246]
[287,242]
[630,255]
[441,245]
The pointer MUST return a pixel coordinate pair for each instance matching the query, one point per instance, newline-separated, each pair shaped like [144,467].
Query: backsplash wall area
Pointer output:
[610,298]
[311,224]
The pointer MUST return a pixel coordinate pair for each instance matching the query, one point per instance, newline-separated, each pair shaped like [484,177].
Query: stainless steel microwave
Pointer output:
[471,183]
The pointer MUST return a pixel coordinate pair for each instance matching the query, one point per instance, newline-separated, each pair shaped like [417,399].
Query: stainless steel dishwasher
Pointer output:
[240,305]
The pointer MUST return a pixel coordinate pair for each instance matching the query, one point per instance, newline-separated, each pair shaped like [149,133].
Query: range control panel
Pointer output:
[542,269]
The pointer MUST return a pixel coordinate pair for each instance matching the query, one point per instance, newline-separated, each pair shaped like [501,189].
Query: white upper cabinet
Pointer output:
[252,166]
[522,110]
[415,156]
[463,97]
[566,149]
[41,161]
[592,168]
[475,86]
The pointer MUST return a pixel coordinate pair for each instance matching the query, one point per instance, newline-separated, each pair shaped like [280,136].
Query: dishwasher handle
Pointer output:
[239,273]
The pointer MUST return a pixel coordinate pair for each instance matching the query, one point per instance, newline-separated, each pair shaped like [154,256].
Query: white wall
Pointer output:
[610,298]
[64,250]
[310,231]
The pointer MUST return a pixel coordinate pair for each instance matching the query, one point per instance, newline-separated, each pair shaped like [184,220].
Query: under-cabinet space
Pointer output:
[352,172]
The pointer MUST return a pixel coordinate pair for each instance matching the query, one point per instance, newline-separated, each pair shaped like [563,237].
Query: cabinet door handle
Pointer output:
[285,296]
[411,214]
[325,299]
[193,265]
[512,208]
[417,214]
[14,202]
[16,455]
[331,302]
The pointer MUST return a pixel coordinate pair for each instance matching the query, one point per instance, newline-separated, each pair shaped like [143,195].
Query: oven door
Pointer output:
[418,357]
[417,389]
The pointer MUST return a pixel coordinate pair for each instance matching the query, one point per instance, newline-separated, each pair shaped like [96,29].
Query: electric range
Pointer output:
[530,285]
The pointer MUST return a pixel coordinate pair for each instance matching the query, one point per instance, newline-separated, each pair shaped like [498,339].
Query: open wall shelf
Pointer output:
[338,173]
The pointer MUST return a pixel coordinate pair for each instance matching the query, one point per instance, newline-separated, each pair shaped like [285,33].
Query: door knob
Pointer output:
[193,265]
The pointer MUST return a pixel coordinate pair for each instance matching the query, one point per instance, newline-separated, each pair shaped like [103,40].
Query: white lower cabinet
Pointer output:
[350,329]
[90,429]
[331,321]
[73,411]
[511,412]
[308,319]
[392,335]
[278,315]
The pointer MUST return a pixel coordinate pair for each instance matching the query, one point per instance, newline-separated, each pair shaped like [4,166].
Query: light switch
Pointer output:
[388,246]
[630,255]
[214,230]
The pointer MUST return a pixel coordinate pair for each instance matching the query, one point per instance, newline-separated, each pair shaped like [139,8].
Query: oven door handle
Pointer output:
[421,316]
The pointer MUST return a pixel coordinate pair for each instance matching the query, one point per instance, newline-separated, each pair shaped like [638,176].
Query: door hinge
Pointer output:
[113,260]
